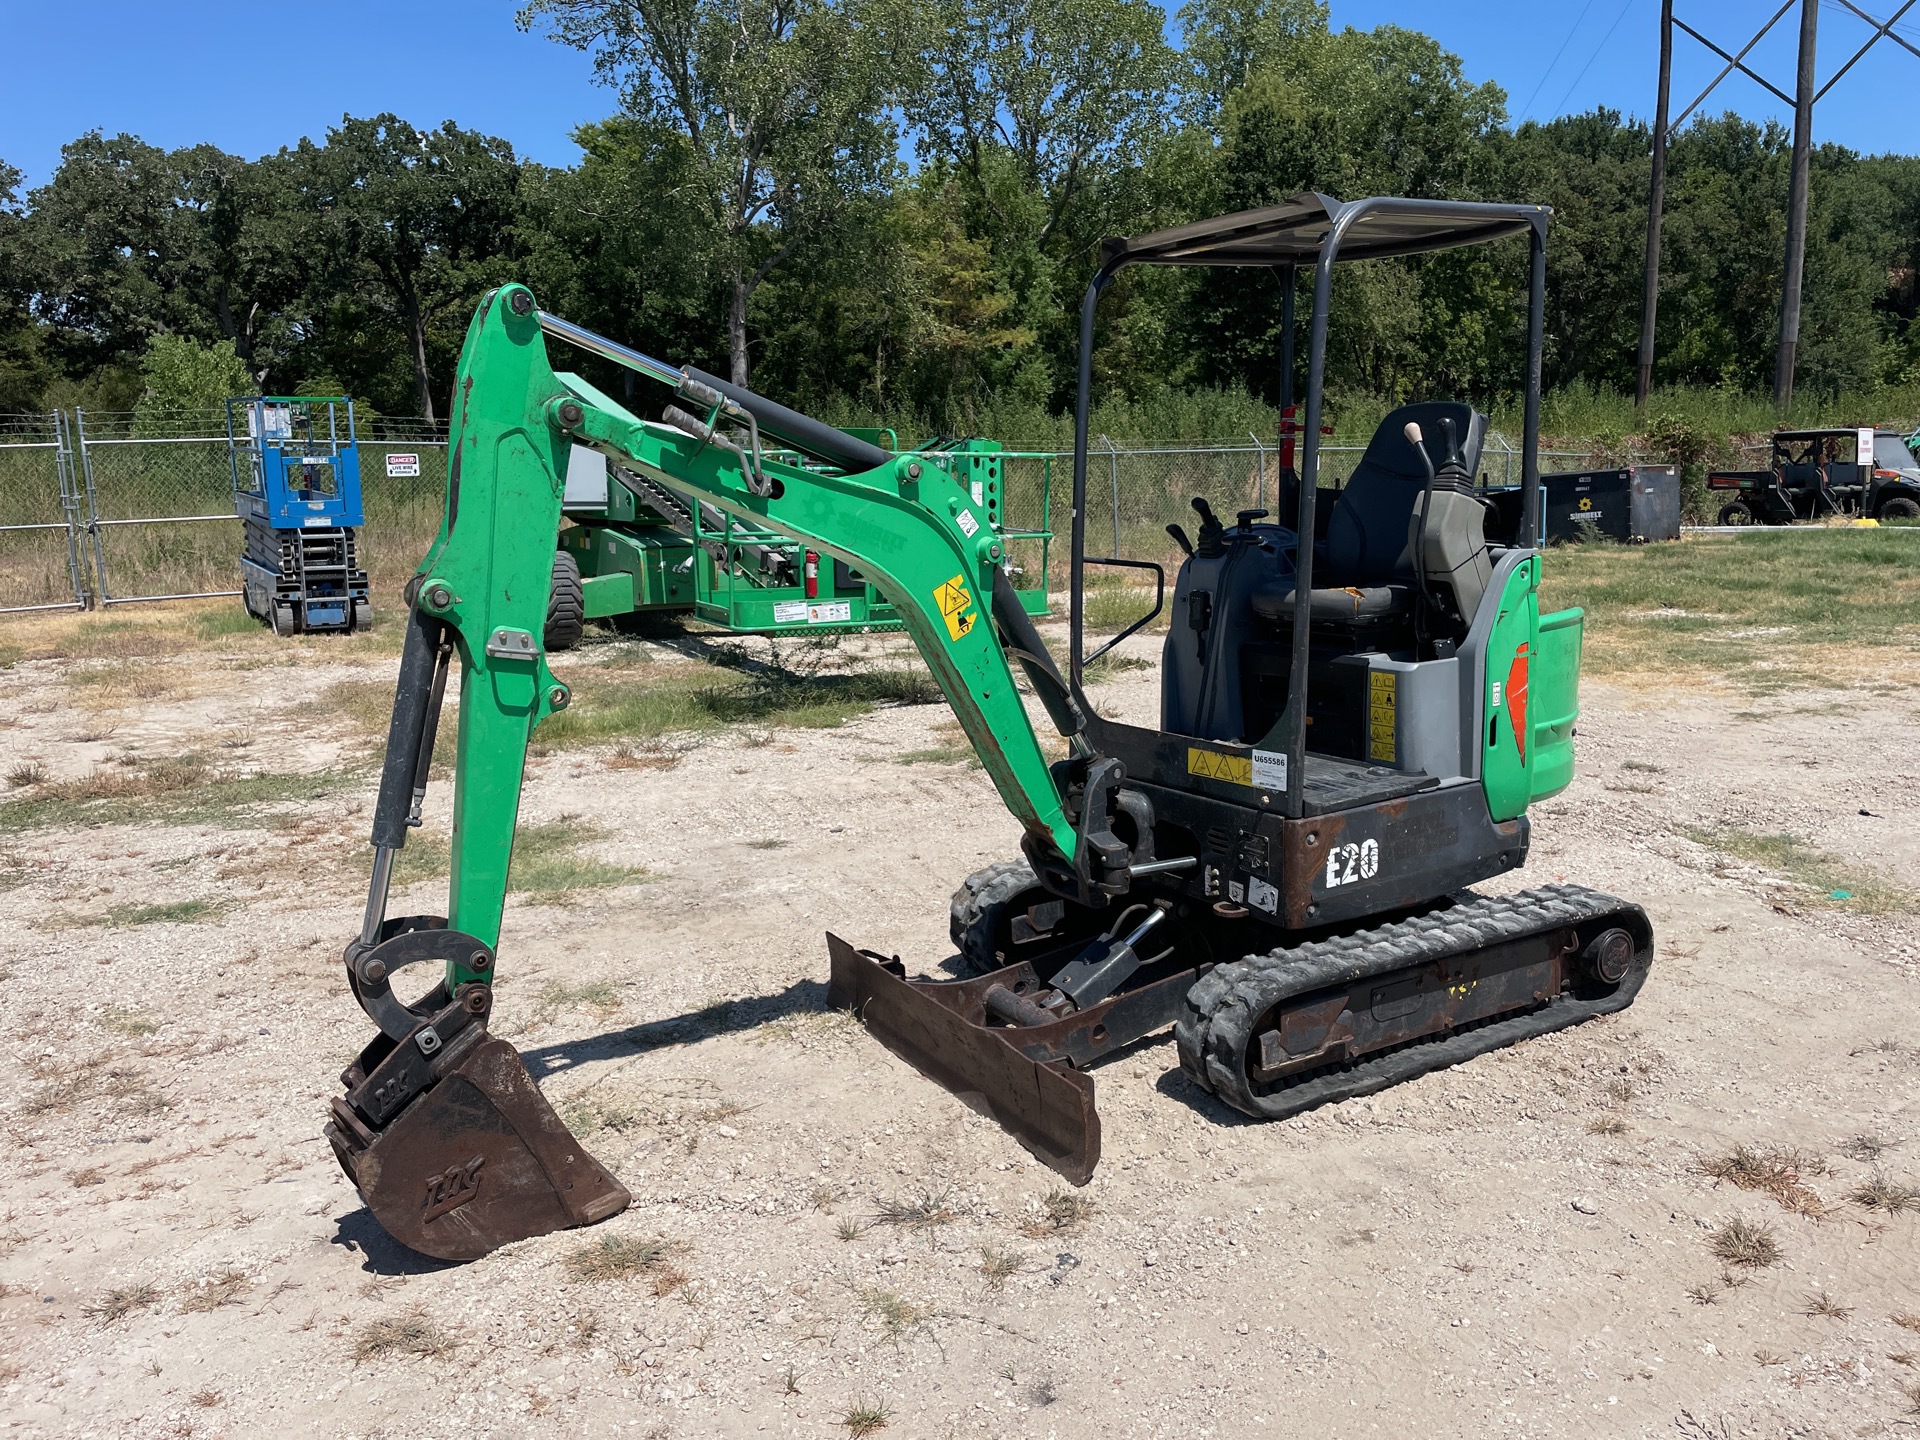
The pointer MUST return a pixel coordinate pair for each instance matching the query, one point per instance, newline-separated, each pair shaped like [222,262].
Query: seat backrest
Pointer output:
[1367,534]
[1801,477]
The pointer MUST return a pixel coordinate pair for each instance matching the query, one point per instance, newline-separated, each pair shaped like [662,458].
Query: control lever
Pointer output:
[1180,539]
[1213,535]
[1422,600]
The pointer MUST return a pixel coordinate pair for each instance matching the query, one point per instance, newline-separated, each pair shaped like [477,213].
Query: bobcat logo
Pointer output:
[452,1188]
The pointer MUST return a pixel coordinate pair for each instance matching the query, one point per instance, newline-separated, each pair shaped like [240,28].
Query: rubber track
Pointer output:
[1215,1029]
[974,914]
[566,605]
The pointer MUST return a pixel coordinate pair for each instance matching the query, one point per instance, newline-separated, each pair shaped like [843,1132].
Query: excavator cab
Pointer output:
[1360,700]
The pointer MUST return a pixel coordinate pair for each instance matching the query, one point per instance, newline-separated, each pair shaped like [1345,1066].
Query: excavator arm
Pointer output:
[441,1128]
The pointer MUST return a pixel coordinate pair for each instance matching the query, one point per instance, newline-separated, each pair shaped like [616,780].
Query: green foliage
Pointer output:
[182,374]
[747,211]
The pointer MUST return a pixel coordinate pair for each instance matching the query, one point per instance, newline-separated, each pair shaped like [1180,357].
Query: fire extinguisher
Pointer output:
[812,573]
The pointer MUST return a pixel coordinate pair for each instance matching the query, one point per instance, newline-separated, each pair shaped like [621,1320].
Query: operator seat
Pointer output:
[1364,571]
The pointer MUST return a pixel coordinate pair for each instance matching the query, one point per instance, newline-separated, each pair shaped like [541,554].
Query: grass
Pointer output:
[1000,1266]
[112,1306]
[700,697]
[177,912]
[548,866]
[26,775]
[175,790]
[1886,1196]
[1821,1304]
[1746,1244]
[865,1417]
[1608,1125]
[952,748]
[64,1088]
[896,1314]
[413,1332]
[1827,881]
[1779,1173]
[1767,611]
[120,1021]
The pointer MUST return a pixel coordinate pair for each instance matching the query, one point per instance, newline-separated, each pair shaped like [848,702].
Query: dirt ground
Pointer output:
[823,1244]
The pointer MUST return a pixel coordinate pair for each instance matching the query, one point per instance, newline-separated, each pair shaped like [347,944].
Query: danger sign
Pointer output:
[400,463]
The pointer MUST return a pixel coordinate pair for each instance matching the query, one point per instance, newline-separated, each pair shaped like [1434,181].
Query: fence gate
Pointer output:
[40,516]
[159,506]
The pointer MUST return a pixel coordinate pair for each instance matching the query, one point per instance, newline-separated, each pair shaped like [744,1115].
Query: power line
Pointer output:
[1568,40]
[1592,56]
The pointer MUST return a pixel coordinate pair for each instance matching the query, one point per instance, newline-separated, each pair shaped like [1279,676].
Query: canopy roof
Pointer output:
[1292,232]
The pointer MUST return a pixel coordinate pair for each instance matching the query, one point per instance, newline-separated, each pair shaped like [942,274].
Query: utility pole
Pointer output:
[1796,211]
[1656,202]
[1802,101]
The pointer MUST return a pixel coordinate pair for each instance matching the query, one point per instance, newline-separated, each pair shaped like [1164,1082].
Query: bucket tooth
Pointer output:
[938,1028]
[477,1160]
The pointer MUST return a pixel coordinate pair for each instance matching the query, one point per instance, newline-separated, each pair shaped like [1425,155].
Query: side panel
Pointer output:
[1554,700]
[1507,751]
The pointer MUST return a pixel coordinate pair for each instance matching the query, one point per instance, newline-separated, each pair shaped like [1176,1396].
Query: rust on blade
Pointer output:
[939,1028]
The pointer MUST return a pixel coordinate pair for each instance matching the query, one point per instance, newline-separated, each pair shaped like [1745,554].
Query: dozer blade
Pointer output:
[939,1028]
[476,1159]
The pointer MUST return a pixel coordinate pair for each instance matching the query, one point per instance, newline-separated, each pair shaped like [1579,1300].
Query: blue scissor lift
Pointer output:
[296,489]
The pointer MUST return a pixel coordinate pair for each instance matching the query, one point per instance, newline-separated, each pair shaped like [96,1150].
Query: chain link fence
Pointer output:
[109,508]
[120,507]
[40,516]
[1135,492]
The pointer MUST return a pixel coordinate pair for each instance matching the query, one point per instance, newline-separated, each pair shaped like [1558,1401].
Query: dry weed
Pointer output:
[1778,1173]
[618,1257]
[1061,1210]
[118,1304]
[920,1212]
[413,1332]
[1886,1196]
[213,1291]
[1822,1304]
[1742,1242]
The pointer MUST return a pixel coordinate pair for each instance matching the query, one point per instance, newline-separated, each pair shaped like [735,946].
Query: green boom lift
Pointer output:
[1357,707]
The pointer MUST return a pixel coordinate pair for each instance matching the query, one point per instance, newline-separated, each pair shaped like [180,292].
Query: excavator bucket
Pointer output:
[940,1028]
[457,1153]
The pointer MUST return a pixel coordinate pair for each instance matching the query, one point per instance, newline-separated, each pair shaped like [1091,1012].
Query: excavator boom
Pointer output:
[481,1158]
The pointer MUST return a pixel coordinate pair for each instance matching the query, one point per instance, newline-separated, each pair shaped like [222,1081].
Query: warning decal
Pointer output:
[956,606]
[1212,765]
[1517,701]
[1383,698]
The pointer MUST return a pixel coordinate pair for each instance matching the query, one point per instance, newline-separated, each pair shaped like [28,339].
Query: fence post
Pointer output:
[1260,502]
[100,591]
[69,504]
[1113,466]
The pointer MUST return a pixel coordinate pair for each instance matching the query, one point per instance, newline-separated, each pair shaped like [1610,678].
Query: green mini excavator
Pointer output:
[1358,704]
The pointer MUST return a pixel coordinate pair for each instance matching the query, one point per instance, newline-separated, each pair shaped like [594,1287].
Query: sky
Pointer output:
[212,70]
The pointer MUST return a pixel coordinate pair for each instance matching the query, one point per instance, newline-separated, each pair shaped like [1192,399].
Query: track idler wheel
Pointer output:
[442,1130]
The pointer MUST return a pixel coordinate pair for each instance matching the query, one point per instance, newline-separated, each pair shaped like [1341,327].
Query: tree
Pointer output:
[414,223]
[775,107]
[182,374]
[1225,41]
[24,372]
[1047,110]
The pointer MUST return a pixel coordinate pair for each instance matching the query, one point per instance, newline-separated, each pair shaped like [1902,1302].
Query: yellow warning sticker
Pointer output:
[1212,765]
[956,606]
[1383,698]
